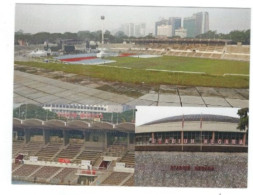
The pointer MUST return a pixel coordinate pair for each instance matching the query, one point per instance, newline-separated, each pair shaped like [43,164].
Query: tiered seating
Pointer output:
[14,166]
[115,178]
[16,147]
[206,55]
[88,155]
[116,150]
[216,55]
[128,159]
[25,170]
[48,152]
[63,174]
[129,182]
[70,152]
[45,172]
[32,148]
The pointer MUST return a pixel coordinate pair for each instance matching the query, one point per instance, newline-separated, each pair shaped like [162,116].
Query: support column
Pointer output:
[153,136]
[105,145]
[182,139]
[213,136]
[128,139]
[65,137]
[27,136]
[46,136]
[244,139]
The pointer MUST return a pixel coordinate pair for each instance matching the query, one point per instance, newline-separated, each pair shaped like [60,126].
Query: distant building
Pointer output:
[190,26]
[181,32]
[197,24]
[140,30]
[83,111]
[134,30]
[172,23]
[164,30]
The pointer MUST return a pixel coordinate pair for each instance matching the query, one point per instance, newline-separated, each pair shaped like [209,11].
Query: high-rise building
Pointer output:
[164,30]
[190,26]
[181,32]
[202,22]
[136,30]
[139,30]
[173,23]
[197,24]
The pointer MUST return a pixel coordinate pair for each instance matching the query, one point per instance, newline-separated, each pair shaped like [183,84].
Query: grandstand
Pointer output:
[206,133]
[200,48]
[187,149]
[73,152]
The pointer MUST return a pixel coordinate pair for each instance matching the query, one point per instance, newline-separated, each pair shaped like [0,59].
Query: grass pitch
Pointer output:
[213,69]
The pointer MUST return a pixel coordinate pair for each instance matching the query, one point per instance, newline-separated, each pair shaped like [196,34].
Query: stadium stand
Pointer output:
[128,159]
[47,152]
[129,182]
[70,151]
[115,178]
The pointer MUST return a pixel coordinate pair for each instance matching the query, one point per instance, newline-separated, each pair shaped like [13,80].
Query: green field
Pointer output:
[213,69]
[174,63]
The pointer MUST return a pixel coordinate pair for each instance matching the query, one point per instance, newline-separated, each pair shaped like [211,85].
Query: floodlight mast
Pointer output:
[102,18]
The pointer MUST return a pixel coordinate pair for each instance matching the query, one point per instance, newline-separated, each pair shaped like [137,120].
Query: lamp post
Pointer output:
[102,18]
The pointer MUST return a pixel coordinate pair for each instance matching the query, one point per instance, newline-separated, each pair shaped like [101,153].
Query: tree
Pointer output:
[244,119]
[26,111]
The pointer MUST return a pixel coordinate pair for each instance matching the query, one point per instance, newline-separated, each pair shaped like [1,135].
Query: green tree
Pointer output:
[26,111]
[244,119]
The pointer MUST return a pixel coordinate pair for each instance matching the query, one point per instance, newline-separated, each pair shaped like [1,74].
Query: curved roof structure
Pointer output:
[126,126]
[78,124]
[72,125]
[193,122]
[196,117]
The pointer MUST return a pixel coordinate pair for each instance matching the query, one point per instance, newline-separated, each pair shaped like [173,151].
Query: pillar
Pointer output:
[27,136]
[65,137]
[46,136]
[128,139]
[153,136]
[213,136]
[182,137]
[105,145]
[244,139]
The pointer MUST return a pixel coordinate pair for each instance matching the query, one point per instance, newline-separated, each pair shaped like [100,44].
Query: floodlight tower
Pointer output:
[102,18]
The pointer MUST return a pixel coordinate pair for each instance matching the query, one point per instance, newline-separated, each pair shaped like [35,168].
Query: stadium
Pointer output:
[74,152]
[191,150]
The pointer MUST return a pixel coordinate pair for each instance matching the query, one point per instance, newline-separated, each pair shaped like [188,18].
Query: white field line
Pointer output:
[243,75]
[186,72]
[109,66]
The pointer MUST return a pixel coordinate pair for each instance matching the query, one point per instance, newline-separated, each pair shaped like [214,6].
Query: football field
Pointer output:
[171,70]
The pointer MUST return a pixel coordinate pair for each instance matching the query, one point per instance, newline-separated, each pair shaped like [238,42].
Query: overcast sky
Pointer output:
[146,114]
[32,18]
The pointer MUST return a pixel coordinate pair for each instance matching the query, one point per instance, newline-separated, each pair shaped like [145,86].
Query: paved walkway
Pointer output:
[30,88]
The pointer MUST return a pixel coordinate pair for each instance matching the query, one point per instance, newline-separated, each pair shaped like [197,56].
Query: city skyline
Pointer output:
[32,18]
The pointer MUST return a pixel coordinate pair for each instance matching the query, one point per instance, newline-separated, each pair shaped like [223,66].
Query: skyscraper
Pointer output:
[197,24]
[171,25]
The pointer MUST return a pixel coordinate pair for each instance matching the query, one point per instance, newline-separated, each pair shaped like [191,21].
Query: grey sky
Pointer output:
[34,18]
[146,114]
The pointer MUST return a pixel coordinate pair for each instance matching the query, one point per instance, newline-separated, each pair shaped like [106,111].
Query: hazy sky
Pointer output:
[32,18]
[146,114]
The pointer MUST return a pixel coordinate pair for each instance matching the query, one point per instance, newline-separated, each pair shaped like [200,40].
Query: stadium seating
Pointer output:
[115,178]
[88,155]
[25,170]
[16,147]
[32,148]
[45,172]
[70,151]
[46,153]
[129,182]
[128,159]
